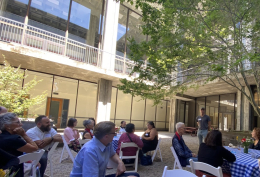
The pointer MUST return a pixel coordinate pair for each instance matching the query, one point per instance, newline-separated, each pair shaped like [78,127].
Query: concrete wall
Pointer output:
[172,118]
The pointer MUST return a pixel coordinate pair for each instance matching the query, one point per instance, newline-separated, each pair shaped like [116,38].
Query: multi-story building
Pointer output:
[79,49]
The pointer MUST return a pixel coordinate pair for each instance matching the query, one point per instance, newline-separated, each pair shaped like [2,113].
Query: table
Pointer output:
[244,166]
[115,142]
[191,130]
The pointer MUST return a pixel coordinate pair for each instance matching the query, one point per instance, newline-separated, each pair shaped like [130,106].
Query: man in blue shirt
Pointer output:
[183,152]
[93,157]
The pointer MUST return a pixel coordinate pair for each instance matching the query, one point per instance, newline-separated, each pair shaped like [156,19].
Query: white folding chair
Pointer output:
[177,162]
[35,157]
[178,172]
[65,146]
[81,135]
[124,145]
[50,153]
[83,141]
[205,167]
[157,148]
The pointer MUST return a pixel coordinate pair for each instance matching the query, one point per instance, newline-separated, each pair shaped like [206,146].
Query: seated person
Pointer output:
[71,135]
[183,152]
[44,136]
[88,124]
[150,138]
[212,152]
[256,135]
[122,127]
[93,157]
[14,140]
[129,136]
[7,161]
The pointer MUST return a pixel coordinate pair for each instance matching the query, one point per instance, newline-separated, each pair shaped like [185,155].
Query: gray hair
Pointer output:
[179,124]
[6,118]
[87,122]
[103,128]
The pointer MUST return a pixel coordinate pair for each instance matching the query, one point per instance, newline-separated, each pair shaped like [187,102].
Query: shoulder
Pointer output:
[52,131]
[32,130]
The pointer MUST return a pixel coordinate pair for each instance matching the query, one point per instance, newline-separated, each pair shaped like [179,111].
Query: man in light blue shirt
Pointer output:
[93,157]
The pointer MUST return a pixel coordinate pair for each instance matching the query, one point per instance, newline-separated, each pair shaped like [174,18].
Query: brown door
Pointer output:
[54,110]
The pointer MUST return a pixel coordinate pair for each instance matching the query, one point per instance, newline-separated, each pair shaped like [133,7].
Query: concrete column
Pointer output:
[110,34]
[173,112]
[192,116]
[239,116]
[103,100]
[3,5]
[93,29]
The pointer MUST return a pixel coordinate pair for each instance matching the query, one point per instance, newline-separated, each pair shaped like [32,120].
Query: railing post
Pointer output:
[24,29]
[124,66]
[66,42]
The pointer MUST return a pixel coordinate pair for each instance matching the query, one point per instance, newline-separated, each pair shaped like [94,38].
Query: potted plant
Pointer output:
[245,143]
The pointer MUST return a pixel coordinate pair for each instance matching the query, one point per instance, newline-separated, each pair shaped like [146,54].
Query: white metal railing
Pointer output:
[17,32]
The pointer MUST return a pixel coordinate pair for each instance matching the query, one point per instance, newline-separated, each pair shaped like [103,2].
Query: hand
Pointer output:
[120,168]
[38,165]
[74,129]
[194,155]
[0,131]
[56,137]
[19,131]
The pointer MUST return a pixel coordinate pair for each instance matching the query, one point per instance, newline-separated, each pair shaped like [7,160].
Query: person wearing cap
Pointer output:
[203,122]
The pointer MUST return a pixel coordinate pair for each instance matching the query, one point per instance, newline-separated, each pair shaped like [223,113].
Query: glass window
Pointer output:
[212,106]
[45,85]
[149,111]
[113,104]
[14,9]
[50,15]
[134,29]
[123,107]
[121,31]
[138,108]
[226,110]
[85,21]
[86,103]
[62,105]
[161,111]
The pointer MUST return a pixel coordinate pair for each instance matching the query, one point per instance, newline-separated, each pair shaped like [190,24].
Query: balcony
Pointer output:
[26,35]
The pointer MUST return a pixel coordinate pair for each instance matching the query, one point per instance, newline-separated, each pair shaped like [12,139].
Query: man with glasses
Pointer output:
[183,152]
[92,159]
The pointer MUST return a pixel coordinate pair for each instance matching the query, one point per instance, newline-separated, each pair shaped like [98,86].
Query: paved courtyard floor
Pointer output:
[63,169]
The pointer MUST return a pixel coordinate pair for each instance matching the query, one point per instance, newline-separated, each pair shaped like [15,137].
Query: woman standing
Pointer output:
[14,140]
[71,135]
[150,138]
[256,135]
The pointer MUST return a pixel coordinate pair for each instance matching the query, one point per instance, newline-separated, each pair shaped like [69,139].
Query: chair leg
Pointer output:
[154,154]
[136,164]
[62,154]
[160,153]
[51,168]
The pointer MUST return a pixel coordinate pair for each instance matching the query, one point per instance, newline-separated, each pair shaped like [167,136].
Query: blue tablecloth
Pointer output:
[244,166]
[115,143]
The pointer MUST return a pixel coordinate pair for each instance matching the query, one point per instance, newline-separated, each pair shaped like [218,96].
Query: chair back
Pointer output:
[156,150]
[205,167]
[177,172]
[34,156]
[50,153]
[124,145]
[176,162]
[83,141]
[81,135]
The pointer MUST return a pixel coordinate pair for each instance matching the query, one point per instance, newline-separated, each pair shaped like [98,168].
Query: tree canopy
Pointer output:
[190,40]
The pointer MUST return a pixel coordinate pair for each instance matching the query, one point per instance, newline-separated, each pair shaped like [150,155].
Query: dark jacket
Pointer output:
[214,155]
[182,151]
[7,161]
[257,146]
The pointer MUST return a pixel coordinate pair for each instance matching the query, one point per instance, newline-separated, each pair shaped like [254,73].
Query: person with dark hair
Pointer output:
[14,140]
[203,122]
[93,157]
[71,135]
[212,152]
[256,135]
[183,152]
[122,126]
[127,137]
[150,138]
[88,124]
[44,136]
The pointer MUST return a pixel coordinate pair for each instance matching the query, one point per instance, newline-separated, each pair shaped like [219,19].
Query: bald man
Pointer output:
[2,110]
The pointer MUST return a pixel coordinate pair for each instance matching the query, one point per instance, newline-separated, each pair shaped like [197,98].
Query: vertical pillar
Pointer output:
[173,112]
[93,29]
[110,34]
[103,100]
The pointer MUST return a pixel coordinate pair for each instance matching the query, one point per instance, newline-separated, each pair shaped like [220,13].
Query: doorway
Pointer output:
[54,110]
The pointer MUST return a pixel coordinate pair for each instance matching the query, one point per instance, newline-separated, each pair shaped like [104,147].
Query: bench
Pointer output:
[191,130]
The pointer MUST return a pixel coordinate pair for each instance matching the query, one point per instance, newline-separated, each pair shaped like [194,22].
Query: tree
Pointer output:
[190,40]
[14,97]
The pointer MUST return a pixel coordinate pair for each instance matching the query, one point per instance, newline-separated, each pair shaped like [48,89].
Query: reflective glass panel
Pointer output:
[14,9]
[212,105]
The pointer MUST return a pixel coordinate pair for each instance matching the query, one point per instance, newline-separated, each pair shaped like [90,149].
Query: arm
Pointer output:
[42,143]
[121,166]
[226,154]
[153,133]
[209,125]
[179,150]
[198,124]
[139,142]
[69,134]
[90,166]
[87,136]
[77,133]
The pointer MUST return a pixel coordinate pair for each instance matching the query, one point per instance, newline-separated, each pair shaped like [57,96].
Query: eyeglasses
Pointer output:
[115,134]
[18,122]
